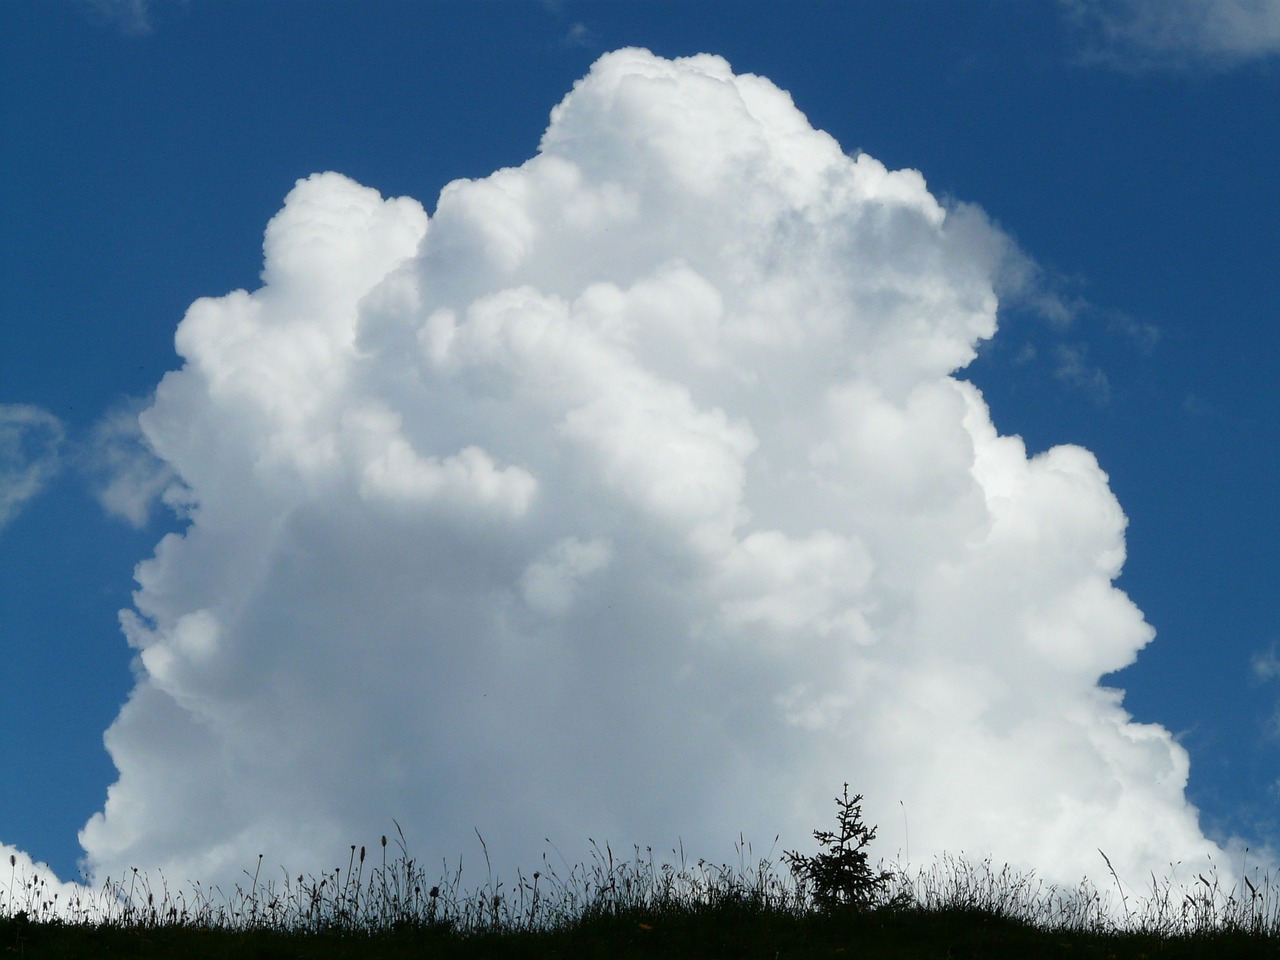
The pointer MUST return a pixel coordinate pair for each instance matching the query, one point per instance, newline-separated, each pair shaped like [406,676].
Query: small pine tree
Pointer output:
[840,877]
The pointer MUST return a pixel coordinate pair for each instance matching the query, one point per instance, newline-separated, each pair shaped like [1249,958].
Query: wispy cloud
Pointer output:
[31,441]
[1165,33]
[1265,665]
[579,35]
[124,474]
[1073,367]
[1047,311]
[132,17]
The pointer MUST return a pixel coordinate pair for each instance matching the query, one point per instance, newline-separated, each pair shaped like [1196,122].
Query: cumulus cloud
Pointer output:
[31,441]
[628,496]
[1144,32]
[31,886]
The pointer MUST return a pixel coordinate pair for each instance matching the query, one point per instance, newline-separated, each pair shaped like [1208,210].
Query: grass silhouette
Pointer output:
[833,904]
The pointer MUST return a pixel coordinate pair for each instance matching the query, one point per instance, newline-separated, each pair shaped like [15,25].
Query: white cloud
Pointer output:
[630,497]
[30,455]
[30,886]
[1143,32]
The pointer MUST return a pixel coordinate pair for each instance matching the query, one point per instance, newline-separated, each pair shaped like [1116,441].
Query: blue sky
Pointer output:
[1127,148]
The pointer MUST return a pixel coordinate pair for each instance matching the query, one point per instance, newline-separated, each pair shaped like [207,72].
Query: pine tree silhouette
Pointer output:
[840,876]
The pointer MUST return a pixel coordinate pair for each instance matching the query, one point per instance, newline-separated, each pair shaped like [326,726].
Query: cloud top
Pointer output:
[630,496]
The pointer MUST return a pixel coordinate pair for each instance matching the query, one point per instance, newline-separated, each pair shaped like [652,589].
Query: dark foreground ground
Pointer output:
[907,934]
